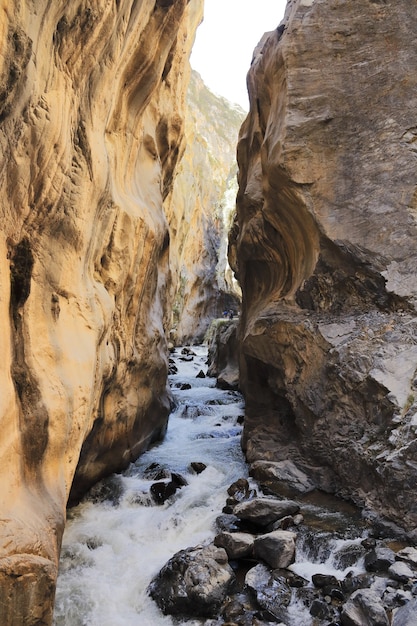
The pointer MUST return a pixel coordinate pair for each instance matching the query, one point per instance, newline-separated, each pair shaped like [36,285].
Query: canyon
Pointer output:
[114,210]
[324,247]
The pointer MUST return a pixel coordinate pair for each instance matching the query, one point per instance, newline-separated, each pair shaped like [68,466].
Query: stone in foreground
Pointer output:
[193,583]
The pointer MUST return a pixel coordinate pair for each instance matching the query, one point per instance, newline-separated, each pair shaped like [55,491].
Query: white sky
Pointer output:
[226,39]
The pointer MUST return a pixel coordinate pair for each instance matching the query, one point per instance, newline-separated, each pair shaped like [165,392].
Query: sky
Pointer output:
[225,41]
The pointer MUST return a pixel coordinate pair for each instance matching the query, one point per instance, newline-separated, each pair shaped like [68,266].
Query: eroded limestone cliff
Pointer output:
[203,202]
[325,249]
[91,129]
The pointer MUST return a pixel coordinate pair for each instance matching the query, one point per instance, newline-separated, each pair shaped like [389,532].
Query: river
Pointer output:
[115,541]
[118,539]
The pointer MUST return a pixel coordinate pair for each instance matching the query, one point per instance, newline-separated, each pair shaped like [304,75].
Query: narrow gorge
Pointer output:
[117,191]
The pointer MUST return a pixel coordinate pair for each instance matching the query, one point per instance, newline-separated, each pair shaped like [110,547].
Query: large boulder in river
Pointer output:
[264,511]
[277,548]
[325,248]
[193,583]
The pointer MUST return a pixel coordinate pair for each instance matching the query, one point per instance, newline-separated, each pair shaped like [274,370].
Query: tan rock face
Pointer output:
[91,127]
[325,249]
[204,200]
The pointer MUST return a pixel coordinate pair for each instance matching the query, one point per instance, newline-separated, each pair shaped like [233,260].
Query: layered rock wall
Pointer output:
[325,249]
[91,130]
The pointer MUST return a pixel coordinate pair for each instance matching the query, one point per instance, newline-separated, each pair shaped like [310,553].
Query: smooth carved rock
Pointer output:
[90,97]
[324,247]
[264,511]
[193,583]
[277,548]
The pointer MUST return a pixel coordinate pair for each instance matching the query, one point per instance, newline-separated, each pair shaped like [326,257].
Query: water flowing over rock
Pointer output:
[91,129]
[324,246]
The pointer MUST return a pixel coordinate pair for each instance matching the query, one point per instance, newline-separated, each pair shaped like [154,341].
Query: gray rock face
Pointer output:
[193,583]
[405,615]
[237,545]
[324,246]
[277,549]
[264,511]
[364,608]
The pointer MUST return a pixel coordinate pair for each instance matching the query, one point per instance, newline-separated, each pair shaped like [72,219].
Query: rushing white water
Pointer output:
[112,551]
[118,539]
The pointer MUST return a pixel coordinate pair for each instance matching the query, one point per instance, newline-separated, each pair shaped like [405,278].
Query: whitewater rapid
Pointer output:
[115,543]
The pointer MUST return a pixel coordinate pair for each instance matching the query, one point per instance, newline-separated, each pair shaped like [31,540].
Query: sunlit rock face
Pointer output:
[325,249]
[91,128]
[204,200]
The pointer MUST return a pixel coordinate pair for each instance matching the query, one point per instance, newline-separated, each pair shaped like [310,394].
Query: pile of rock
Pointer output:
[243,577]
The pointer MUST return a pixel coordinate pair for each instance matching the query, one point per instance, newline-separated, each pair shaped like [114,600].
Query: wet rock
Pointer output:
[405,615]
[155,471]
[184,386]
[193,583]
[324,580]
[237,545]
[186,358]
[162,491]
[272,592]
[200,374]
[277,549]
[353,583]
[364,607]
[188,351]
[320,609]
[198,467]
[228,522]
[107,490]
[379,559]
[264,511]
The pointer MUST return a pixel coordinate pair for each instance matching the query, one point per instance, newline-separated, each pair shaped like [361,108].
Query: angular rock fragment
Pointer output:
[364,607]
[277,549]
[264,511]
[237,545]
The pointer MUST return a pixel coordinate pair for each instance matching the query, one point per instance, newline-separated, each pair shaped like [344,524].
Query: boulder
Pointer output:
[364,608]
[379,559]
[281,477]
[237,545]
[264,511]
[405,615]
[272,592]
[193,583]
[277,548]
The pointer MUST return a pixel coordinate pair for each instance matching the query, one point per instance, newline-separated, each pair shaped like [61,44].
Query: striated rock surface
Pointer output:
[202,208]
[91,129]
[324,247]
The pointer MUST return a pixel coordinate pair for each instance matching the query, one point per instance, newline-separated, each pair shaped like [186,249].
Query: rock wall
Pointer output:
[204,200]
[91,129]
[324,247]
